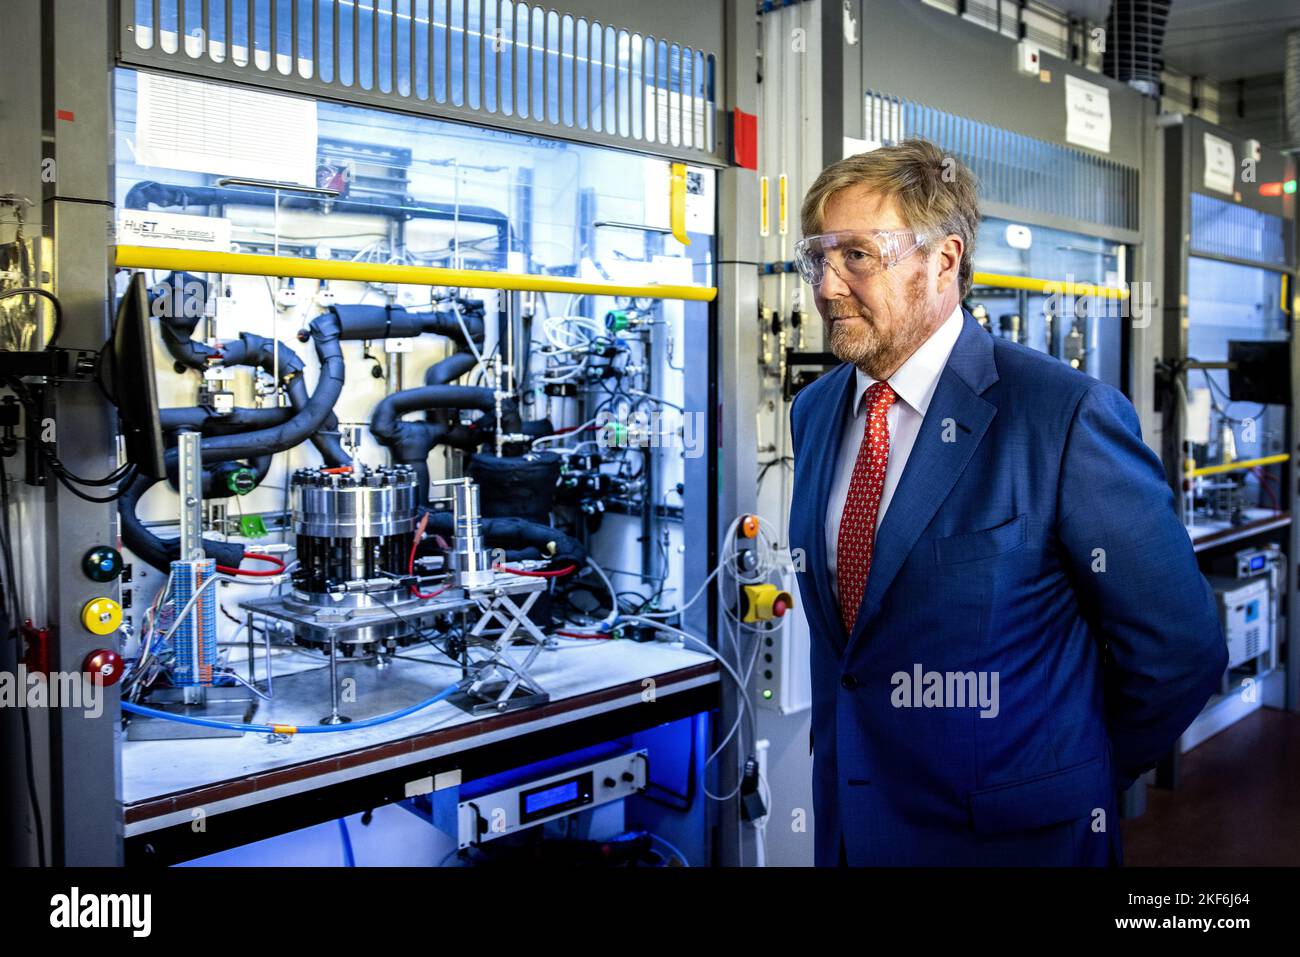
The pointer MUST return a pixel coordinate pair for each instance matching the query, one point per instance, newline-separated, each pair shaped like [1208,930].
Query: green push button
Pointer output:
[102,563]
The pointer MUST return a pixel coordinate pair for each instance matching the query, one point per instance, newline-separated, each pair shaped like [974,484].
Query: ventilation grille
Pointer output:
[1015,169]
[1220,228]
[1137,35]
[494,61]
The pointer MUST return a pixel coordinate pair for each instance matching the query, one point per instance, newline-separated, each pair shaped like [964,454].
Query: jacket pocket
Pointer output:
[1047,799]
[972,546]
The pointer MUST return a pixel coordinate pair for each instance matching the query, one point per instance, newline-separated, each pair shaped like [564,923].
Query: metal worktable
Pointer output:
[248,788]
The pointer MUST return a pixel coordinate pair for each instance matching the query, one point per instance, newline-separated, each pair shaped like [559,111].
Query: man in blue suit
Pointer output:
[1008,623]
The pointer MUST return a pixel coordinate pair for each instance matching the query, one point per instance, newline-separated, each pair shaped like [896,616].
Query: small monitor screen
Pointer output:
[560,794]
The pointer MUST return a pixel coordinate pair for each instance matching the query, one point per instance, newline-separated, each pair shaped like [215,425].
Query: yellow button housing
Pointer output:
[101,616]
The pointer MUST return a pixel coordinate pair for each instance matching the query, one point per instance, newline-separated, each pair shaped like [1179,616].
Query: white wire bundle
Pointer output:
[767,562]
[565,335]
[553,326]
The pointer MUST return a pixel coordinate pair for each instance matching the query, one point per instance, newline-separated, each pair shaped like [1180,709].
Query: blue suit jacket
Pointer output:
[1031,537]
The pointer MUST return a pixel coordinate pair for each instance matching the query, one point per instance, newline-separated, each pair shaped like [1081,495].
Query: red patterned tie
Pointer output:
[858,523]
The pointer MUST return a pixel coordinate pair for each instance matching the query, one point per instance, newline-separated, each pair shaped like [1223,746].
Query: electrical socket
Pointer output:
[286,297]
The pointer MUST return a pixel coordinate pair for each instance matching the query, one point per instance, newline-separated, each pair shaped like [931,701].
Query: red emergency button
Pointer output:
[103,666]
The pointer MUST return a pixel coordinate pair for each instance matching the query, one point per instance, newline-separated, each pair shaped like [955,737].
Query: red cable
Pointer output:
[585,634]
[410,565]
[255,556]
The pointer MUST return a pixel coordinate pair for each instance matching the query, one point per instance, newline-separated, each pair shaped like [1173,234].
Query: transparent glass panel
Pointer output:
[581,72]
[457,63]
[492,47]
[144,32]
[537,63]
[1231,303]
[553,66]
[1086,333]
[523,39]
[597,77]
[636,86]
[309,13]
[506,58]
[611,61]
[438,50]
[474,53]
[567,71]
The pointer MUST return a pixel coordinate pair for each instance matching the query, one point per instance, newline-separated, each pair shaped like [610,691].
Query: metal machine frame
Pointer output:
[67,50]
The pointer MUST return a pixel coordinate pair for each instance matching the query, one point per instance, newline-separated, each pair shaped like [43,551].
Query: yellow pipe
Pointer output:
[1236,466]
[244,264]
[677,202]
[1048,286]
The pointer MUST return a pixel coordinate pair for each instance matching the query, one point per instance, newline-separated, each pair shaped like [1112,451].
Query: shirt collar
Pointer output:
[916,379]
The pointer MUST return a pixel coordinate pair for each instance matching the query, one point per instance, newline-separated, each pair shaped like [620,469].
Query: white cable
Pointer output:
[184,612]
[740,685]
[656,398]
[613,595]
[460,320]
[563,435]
[694,598]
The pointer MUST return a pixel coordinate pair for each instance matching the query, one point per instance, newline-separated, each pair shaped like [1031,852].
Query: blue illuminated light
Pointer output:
[560,794]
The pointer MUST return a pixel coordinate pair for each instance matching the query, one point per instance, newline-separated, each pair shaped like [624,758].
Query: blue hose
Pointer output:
[349,859]
[274,729]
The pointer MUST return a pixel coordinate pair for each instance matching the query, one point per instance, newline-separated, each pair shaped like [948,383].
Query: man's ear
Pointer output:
[949,262]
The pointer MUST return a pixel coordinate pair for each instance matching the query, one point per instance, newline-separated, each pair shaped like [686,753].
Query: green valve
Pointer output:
[252,526]
[242,481]
[616,320]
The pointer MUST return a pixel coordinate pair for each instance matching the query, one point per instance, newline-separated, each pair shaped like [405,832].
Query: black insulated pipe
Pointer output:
[159,552]
[516,533]
[150,193]
[324,331]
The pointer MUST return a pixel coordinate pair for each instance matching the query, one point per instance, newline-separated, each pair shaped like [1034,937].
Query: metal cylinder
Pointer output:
[472,565]
[351,525]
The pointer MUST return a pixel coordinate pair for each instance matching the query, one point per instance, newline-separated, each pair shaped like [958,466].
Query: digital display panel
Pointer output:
[554,797]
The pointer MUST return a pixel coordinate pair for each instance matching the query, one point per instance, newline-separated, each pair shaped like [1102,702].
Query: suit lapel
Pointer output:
[825,428]
[952,428]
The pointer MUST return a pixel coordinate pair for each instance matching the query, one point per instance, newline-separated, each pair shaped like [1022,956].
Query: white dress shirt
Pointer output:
[914,382]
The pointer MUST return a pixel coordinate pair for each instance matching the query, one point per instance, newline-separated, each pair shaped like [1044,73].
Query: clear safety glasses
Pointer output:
[854,255]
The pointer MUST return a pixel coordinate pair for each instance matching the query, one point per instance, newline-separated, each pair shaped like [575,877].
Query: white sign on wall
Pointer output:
[1087,114]
[225,130]
[1220,165]
[138,227]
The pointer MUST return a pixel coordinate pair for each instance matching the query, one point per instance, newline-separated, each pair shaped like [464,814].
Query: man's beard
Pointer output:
[874,346]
